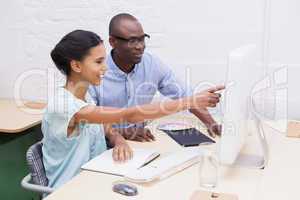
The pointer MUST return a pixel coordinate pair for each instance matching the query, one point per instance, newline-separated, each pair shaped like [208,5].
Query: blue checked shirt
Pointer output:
[122,90]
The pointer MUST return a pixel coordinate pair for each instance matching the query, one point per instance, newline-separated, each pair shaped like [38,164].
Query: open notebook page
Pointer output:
[104,162]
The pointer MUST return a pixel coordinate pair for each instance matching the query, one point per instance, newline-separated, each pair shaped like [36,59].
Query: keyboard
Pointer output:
[166,166]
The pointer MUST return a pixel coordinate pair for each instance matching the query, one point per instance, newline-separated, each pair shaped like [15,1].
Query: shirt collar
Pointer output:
[112,65]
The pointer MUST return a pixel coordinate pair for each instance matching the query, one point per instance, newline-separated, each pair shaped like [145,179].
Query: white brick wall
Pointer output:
[193,33]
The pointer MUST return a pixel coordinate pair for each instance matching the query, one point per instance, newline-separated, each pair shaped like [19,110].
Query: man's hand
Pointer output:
[211,98]
[214,129]
[121,151]
[138,134]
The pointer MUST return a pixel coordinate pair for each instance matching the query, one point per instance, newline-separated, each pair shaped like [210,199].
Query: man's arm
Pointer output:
[139,134]
[172,87]
[212,127]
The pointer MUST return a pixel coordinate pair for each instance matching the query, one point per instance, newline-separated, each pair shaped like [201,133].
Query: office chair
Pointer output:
[36,180]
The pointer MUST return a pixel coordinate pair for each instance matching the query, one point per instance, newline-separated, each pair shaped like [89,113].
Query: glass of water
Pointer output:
[208,166]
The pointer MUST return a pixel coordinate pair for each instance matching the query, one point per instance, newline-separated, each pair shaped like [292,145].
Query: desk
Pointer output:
[279,180]
[14,119]
[18,131]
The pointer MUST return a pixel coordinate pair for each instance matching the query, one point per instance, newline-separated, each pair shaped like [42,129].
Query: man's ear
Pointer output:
[75,66]
[112,42]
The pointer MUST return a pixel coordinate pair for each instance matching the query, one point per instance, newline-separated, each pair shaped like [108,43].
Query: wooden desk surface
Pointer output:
[279,180]
[14,119]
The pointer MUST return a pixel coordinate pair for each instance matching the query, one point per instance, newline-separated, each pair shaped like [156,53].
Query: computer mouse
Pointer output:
[125,189]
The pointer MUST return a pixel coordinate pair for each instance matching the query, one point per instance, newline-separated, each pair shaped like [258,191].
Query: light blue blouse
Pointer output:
[63,156]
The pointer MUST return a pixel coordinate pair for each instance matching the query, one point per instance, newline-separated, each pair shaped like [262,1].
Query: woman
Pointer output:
[74,128]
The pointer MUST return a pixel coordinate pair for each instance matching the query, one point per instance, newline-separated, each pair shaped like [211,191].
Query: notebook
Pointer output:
[188,137]
[104,163]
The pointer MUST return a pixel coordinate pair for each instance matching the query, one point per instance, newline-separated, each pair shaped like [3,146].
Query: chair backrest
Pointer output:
[36,167]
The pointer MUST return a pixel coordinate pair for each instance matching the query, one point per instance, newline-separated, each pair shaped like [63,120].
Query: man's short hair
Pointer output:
[116,20]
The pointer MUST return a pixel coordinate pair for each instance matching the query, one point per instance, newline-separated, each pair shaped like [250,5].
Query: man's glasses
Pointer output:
[133,41]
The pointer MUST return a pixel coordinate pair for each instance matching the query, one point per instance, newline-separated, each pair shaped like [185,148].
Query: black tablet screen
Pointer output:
[188,137]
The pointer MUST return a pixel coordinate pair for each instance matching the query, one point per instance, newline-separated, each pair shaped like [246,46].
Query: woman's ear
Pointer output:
[75,66]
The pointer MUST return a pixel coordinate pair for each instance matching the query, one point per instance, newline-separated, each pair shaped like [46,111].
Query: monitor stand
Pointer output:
[255,161]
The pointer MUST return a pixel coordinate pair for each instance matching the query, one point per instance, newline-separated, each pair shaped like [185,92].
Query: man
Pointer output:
[134,76]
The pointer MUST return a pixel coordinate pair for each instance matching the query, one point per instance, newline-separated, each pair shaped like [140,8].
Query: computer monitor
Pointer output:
[240,118]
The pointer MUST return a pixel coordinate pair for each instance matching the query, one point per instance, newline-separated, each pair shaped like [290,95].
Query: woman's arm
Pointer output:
[97,114]
[121,150]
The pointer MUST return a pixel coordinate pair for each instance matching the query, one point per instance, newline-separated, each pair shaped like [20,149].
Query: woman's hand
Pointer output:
[121,151]
[207,98]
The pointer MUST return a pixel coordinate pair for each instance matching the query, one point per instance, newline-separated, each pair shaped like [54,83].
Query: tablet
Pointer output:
[174,126]
[188,137]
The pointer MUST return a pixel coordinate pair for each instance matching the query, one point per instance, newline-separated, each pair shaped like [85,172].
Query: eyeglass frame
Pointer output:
[132,40]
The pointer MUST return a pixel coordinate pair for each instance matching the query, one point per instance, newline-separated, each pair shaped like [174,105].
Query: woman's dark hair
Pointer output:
[73,46]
